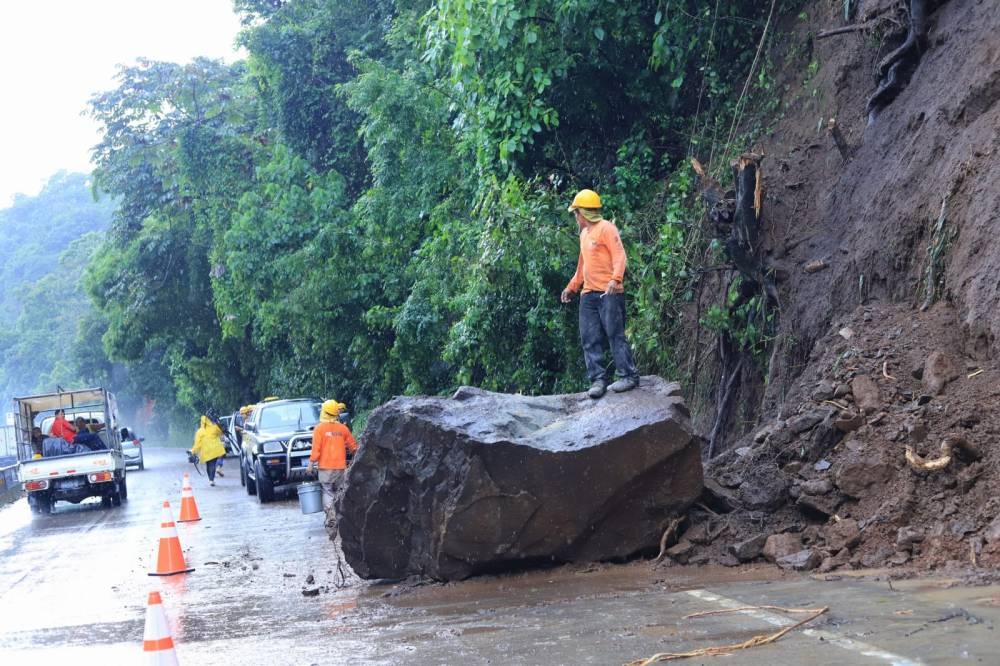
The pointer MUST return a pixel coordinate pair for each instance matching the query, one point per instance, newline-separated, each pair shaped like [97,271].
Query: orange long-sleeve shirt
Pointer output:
[331,440]
[63,428]
[602,258]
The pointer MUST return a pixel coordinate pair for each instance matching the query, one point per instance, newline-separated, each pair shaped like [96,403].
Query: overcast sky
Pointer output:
[54,54]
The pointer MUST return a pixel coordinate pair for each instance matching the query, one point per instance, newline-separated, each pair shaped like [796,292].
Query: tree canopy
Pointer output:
[373,203]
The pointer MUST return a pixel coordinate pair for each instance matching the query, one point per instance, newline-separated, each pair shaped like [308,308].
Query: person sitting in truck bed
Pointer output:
[62,428]
[57,446]
[86,438]
[36,440]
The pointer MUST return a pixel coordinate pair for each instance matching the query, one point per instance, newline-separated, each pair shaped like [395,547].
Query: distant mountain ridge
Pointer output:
[46,242]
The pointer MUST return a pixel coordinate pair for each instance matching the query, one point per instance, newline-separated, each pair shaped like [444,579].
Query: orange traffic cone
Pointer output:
[156,640]
[189,510]
[170,559]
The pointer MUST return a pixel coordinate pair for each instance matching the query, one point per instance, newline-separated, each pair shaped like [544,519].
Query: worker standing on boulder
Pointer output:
[600,270]
[331,442]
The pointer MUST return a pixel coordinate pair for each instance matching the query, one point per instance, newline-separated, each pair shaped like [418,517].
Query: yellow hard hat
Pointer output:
[246,409]
[585,199]
[333,408]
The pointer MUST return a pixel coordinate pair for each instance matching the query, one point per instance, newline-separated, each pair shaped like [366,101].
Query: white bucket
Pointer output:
[310,497]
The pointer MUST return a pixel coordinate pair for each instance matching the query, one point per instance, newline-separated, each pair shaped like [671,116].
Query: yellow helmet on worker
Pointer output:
[330,410]
[585,199]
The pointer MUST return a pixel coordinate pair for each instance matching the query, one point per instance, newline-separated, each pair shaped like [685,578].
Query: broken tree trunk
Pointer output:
[736,216]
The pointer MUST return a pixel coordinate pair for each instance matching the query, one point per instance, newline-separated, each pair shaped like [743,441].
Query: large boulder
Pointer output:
[483,482]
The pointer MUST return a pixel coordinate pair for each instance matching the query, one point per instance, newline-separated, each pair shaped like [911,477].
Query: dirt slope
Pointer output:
[826,468]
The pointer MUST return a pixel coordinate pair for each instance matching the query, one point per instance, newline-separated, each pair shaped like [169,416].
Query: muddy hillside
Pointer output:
[877,438]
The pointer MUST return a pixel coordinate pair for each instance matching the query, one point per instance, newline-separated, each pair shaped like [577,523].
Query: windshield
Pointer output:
[295,415]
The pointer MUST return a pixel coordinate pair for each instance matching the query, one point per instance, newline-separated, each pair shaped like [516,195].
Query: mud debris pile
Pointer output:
[884,456]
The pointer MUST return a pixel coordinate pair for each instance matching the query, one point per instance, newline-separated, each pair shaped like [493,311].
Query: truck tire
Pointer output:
[243,473]
[117,495]
[106,501]
[251,482]
[124,487]
[265,488]
[42,504]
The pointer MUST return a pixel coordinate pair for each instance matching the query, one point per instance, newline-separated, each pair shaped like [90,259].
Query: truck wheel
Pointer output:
[142,463]
[106,501]
[265,488]
[124,487]
[43,505]
[251,482]
[39,504]
[243,473]
[116,494]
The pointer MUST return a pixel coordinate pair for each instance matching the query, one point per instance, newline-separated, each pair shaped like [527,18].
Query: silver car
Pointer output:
[132,449]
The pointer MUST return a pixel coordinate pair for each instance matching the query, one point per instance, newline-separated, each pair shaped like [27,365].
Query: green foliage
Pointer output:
[45,244]
[374,203]
[745,319]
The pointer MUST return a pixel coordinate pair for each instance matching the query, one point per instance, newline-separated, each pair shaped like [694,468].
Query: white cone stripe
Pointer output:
[156,624]
[168,532]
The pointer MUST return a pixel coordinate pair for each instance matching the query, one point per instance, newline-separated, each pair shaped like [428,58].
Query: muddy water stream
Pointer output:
[269,588]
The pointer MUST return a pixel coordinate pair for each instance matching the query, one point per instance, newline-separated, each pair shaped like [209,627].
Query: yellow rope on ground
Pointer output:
[761,639]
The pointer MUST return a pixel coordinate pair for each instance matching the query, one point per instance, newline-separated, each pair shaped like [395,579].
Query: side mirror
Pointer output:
[124,433]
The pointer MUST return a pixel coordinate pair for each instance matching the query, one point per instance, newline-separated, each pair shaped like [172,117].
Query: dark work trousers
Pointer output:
[602,321]
[210,468]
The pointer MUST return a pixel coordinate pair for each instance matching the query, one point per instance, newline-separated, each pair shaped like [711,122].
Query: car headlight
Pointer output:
[273,447]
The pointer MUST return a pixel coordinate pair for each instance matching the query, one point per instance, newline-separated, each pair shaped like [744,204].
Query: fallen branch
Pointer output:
[973,374]
[761,639]
[855,27]
[671,529]
[885,371]
[700,505]
[949,444]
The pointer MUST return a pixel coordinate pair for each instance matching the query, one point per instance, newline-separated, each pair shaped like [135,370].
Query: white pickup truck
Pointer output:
[71,476]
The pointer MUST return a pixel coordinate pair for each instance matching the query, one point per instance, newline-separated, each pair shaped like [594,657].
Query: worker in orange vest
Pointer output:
[600,274]
[330,444]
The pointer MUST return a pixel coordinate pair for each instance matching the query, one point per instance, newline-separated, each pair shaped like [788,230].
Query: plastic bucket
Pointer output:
[310,497]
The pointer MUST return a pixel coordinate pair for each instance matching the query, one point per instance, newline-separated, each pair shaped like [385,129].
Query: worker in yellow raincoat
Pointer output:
[208,446]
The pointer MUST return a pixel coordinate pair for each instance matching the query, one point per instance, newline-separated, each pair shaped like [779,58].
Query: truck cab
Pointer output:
[277,441]
[63,471]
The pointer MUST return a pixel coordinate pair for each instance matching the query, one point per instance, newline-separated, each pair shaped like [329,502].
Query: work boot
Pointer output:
[624,384]
[597,389]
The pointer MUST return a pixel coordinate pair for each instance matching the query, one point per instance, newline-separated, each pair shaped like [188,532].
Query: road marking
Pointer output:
[830,637]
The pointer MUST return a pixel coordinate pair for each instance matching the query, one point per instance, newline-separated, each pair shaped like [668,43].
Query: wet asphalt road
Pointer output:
[73,589]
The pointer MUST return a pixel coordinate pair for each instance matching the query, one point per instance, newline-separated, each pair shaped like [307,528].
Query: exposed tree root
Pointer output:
[894,70]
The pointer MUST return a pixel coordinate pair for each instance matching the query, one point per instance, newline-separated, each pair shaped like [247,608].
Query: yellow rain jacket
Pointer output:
[208,441]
